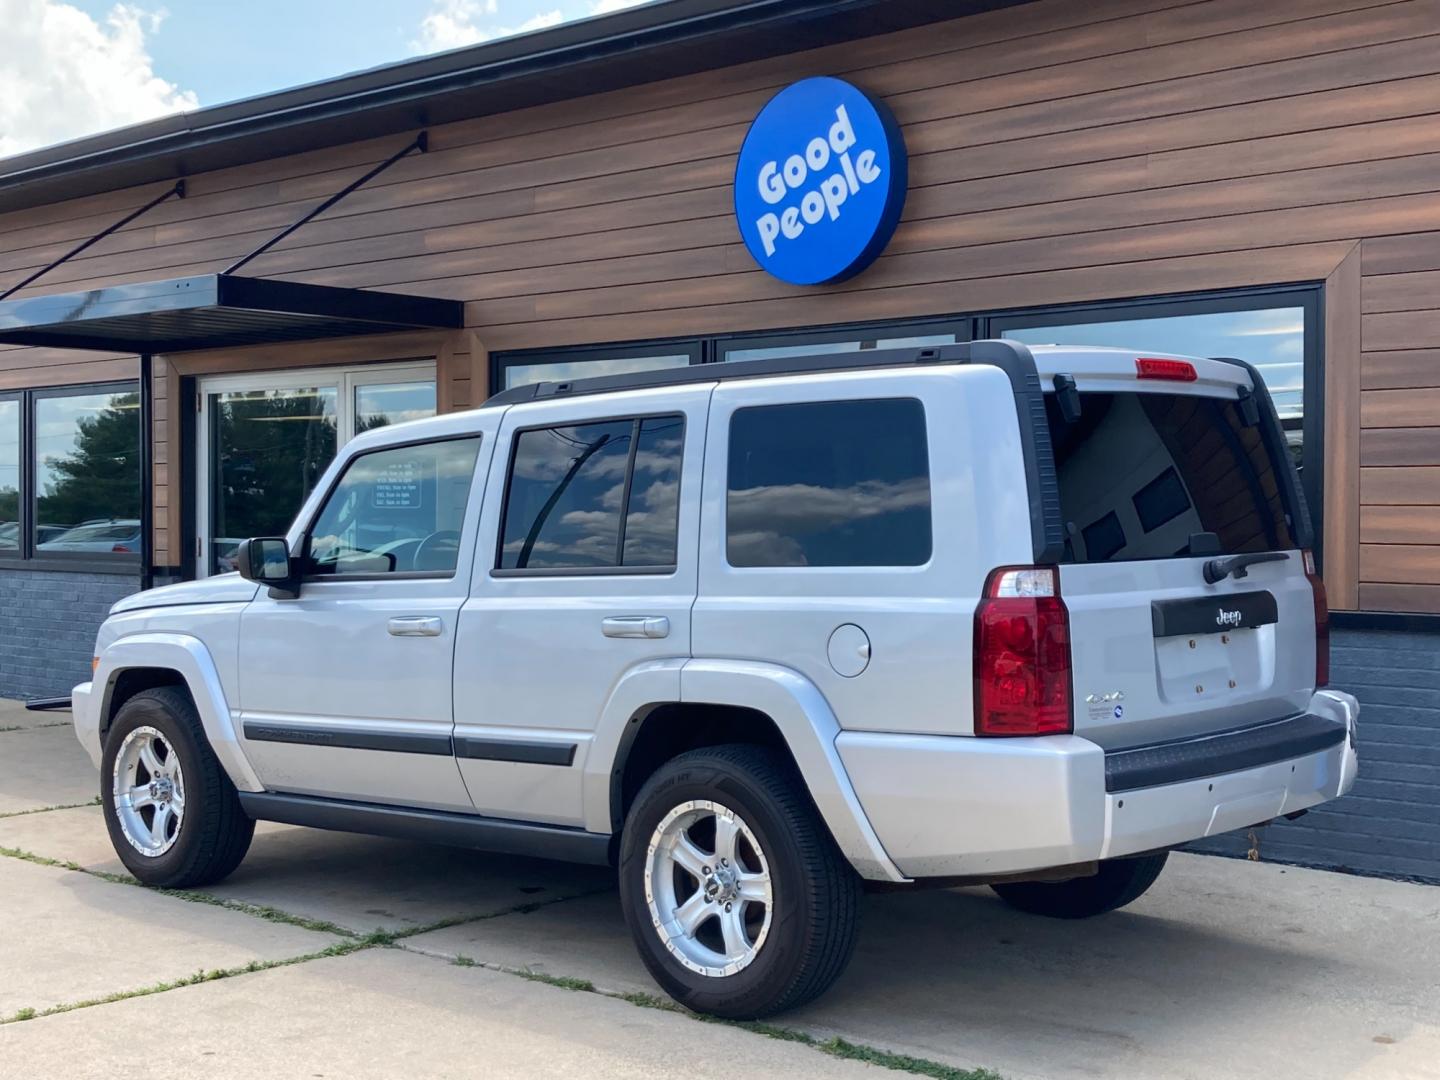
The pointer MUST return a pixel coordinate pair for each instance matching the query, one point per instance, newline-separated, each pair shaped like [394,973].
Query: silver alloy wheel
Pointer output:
[711,908]
[148,789]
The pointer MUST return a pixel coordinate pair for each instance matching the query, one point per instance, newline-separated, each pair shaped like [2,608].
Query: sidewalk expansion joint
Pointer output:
[353,943]
[47,809]
[277,915]
[834,1046]
[341,948]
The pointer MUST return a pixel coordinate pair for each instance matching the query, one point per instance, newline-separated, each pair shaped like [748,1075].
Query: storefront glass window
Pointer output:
[87,474]
[379,405]
[268,448]
[9,475]
[522,374]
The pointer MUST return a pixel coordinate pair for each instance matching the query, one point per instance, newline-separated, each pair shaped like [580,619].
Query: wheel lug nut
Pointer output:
[728,907]
[707,871]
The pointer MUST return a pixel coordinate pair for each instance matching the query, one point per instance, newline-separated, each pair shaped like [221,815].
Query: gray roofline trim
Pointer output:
[587,56]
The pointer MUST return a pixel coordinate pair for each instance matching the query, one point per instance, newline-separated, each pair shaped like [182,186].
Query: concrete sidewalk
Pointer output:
[357,957]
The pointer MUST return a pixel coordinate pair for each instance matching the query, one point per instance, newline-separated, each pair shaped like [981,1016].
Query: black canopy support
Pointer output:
[178,191]
[420,144]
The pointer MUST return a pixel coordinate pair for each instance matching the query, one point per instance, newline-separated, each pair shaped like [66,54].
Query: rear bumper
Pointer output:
[946,806]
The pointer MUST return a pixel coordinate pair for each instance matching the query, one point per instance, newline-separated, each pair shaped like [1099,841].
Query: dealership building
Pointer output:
[198,311]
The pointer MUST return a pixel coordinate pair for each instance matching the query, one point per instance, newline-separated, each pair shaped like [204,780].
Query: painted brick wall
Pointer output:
[47,627]
[1389,824]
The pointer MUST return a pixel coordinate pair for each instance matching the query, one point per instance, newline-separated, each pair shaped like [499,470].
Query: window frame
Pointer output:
[29,557]
[1308,297]
[654,570]
[7,556]
[501,362]
[962,326]
[407,575]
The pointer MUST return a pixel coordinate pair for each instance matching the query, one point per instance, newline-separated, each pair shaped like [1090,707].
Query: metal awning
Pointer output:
[213,311]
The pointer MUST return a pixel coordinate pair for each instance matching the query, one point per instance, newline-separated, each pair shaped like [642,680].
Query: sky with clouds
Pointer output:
[70,68]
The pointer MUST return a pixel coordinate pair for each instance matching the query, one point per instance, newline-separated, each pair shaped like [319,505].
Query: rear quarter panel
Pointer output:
[918,618]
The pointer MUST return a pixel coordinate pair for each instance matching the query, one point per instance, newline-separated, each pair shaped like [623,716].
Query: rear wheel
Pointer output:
[1118,882]
[739,902]
[173,815]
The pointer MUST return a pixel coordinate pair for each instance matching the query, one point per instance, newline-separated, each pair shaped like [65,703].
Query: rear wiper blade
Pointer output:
[1219,569]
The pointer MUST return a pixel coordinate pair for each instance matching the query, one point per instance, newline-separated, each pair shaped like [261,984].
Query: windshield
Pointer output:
[1144,475]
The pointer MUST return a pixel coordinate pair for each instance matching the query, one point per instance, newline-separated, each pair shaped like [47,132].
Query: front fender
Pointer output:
[809,726]
[181,653]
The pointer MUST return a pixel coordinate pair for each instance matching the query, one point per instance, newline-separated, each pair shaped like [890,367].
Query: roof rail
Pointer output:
[969,352]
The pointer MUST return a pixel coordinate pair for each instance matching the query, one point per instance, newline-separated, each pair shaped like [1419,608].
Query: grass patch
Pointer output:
[39,860]
[259,911]
[841,1048]
[564,982]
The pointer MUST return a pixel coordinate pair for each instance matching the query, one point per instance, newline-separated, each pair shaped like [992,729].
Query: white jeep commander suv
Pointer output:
[753,633]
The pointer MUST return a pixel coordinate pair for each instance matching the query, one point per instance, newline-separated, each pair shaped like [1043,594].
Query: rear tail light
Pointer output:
[1148,367]
[1022,654]
[1322,622]
[121,549]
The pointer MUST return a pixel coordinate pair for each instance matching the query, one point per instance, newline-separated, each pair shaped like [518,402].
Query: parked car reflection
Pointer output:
[111,535]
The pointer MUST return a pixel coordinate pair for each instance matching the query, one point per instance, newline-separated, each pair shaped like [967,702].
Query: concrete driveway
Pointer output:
[341,956]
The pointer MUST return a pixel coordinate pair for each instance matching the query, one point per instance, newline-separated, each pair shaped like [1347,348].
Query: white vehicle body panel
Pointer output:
[325,666]
[918,618]
[532,660]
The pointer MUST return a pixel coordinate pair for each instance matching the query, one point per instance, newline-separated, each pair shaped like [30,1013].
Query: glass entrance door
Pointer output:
[264,441]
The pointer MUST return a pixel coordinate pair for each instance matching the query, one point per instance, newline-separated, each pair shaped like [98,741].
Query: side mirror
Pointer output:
[266,560]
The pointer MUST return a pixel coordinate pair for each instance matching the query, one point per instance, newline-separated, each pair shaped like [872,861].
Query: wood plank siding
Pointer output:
[1060,152]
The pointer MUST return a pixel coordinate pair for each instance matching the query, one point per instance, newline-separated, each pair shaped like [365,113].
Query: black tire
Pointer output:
[1119,882]
[815,891]
[214,832]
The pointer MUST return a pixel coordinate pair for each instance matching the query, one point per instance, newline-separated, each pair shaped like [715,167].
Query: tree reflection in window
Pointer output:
[87,473]
[9,475]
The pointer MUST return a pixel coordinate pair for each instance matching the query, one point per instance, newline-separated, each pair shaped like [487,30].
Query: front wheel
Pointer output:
[739,902]
[174,817]
[1118,882]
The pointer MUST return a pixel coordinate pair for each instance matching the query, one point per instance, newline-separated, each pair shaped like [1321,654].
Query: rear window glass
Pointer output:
[831,483]
[1143,474]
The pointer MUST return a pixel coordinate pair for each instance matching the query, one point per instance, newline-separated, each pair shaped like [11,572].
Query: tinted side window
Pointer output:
[396,511]
[595,495]
[652,515]
[837,483]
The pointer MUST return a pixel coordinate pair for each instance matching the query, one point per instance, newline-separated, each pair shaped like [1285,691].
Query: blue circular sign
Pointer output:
[820,182]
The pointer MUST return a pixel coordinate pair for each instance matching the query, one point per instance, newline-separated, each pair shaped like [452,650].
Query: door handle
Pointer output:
[415,626]
[636,626]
